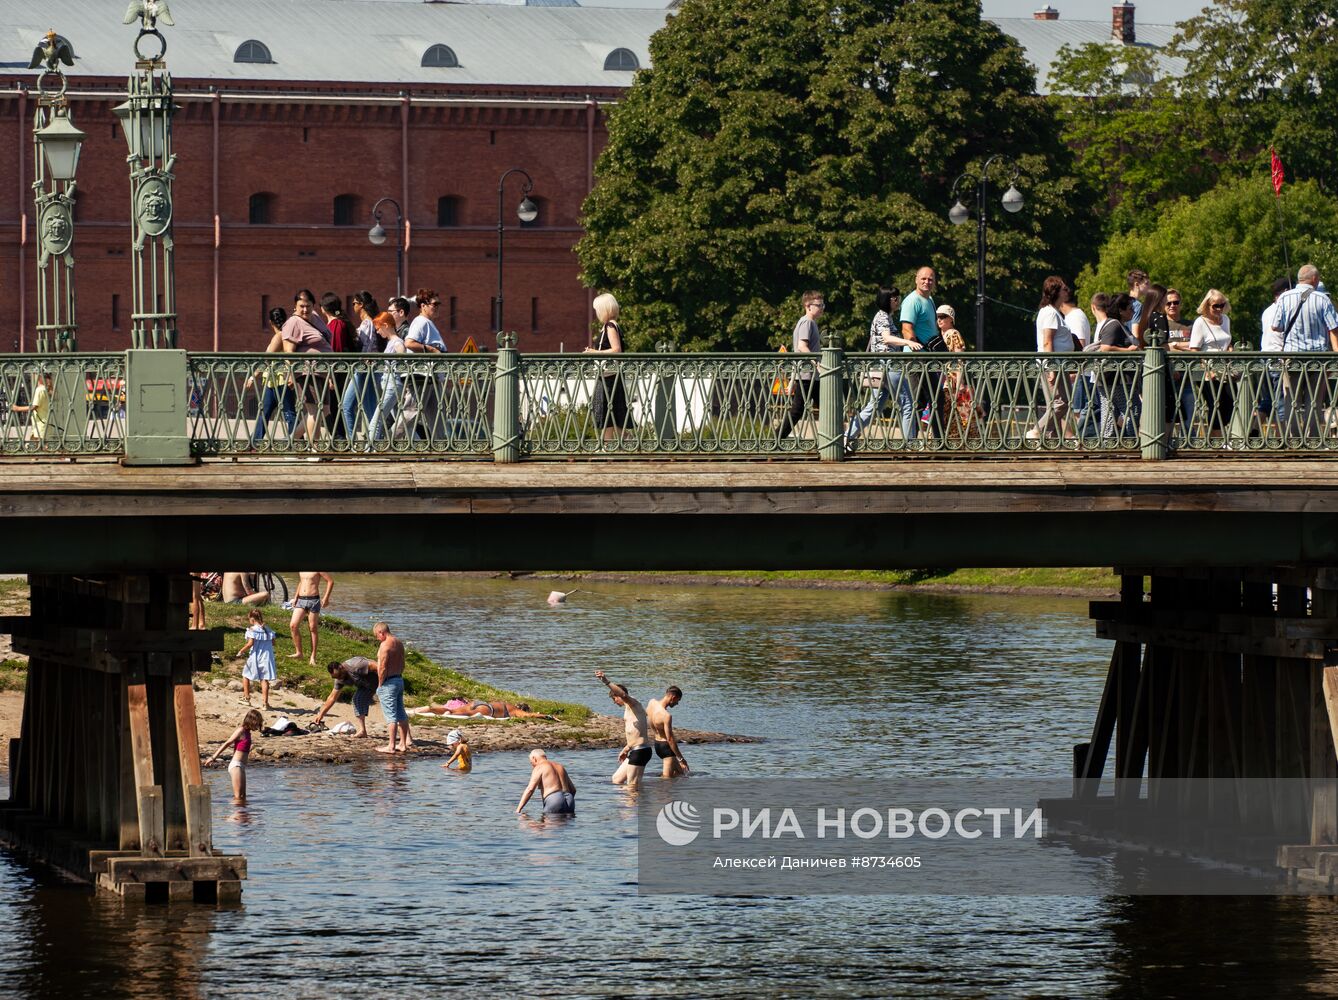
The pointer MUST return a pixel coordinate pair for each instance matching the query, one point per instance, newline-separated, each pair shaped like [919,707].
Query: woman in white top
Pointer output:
[1052,337]
[1211,333]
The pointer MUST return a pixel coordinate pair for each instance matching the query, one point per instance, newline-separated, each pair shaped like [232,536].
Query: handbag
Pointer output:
[873,378]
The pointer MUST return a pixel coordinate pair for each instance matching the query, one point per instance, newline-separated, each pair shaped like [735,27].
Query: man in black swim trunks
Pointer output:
[662,731]
[635,754]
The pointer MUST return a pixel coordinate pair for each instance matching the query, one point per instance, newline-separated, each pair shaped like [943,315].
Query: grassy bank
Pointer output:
[424,681]
[1096,579]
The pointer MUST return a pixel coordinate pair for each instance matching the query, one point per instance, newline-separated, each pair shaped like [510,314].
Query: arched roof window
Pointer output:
[441,57]
[621,59]
[252,51]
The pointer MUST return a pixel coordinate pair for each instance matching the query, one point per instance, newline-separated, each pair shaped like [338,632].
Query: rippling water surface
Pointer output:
[397,879]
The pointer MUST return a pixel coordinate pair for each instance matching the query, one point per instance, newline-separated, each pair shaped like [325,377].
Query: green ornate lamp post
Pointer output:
[147,120]
[56,144]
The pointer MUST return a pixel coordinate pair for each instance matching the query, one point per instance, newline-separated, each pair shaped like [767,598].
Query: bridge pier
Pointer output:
[1221,702]
[105,776]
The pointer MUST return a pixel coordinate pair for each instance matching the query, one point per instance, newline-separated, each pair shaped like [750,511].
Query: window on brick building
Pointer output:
[448,211]
[541,214]
[621,59]
[454,315]
[252,51]
[441,57]
[346,210]
[534,314]
[261,211]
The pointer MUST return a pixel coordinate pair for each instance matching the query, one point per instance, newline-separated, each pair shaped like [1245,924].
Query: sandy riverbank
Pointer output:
[219,711]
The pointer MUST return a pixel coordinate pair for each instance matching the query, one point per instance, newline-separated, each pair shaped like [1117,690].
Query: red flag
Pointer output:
[1278,175]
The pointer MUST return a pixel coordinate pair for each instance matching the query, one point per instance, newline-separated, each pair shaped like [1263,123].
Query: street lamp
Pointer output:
[959,214]
[376,236]
[146,119]
[526,211]
[56,145]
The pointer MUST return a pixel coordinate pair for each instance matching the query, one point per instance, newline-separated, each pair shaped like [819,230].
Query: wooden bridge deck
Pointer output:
[664,515]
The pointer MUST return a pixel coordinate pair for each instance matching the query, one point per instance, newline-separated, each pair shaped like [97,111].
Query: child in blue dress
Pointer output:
[260,664]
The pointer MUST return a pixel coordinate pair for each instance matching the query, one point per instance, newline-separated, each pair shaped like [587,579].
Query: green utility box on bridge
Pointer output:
[156,431]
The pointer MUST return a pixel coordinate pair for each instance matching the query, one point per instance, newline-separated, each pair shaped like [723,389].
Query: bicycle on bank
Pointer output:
[212,586]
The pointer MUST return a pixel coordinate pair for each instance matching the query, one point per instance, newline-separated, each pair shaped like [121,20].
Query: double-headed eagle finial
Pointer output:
[55,49]
[150,12]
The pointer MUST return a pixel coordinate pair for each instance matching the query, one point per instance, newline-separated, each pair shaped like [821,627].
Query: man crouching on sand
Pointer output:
[559,794]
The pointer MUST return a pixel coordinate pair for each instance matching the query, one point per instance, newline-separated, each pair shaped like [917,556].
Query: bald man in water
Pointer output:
[557,788]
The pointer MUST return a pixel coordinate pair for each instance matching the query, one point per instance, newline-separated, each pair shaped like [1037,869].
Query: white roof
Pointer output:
[497,42]
[364,41]
[1042,40]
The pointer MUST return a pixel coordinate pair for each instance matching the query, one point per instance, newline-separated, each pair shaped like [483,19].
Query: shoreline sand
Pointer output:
[218,711]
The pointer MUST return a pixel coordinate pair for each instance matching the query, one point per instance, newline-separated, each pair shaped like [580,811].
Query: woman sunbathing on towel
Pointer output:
[487,709]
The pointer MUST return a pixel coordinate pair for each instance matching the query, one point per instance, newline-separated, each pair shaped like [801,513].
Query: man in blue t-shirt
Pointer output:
[917,309]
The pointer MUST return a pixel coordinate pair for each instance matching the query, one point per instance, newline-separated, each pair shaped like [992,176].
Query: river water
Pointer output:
[396,879]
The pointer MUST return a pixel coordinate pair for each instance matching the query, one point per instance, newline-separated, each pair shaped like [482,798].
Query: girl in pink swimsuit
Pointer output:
[240,742]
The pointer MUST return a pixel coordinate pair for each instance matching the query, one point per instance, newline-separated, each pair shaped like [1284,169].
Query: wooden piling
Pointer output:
[105,777]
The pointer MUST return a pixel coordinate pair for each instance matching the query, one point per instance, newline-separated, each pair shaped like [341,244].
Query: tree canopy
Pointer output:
[1241,77]
[779,145]
[1228,239]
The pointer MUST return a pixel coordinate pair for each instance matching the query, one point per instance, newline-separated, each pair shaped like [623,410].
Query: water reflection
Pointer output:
[389,875]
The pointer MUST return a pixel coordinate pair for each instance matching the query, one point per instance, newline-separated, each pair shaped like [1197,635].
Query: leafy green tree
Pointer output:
[1229,240]
[1265,73]
[1136,142]
[778,145]
[1241,77]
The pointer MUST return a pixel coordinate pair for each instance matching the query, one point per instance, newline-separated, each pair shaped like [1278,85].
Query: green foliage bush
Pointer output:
[1227,239]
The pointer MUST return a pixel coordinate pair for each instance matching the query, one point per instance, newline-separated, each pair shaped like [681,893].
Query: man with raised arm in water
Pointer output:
[307,604]
[662,731]
[635,755]
[554,784]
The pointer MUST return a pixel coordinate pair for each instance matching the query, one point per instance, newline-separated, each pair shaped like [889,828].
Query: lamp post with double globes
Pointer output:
[56,145]
[377,237]
[526,211]
[146,118]
[959,214]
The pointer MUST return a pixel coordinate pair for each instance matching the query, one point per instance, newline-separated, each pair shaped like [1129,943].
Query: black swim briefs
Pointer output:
[639,756]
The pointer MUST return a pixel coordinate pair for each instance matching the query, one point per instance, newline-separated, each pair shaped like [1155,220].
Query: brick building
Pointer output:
[296,117]
[284,149]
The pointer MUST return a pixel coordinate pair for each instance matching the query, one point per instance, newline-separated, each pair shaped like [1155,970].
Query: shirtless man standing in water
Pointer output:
[556,787]
[635,755]
[662,731]
[307,604]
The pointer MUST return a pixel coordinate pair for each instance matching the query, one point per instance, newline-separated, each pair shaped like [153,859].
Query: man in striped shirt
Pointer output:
[1307,322]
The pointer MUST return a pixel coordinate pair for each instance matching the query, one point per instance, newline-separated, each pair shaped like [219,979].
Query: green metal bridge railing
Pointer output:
[168,407]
